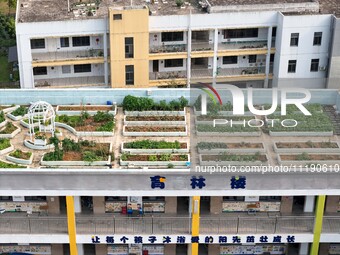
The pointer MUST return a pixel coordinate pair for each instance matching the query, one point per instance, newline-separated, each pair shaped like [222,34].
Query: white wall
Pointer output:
[26,31]
[305,25]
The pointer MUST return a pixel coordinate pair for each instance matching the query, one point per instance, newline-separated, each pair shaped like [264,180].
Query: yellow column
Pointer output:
[195,223]
[71,225]
[320,207]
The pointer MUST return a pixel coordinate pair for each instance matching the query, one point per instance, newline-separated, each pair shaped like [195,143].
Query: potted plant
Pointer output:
[179,3]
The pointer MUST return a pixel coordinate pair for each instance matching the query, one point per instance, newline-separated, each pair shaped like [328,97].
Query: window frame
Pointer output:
[64,42]
[314,66]
[128,73]
[317,39]
[177,36]
[172,63]
[76,70]
[35,69]
[129,47]
[294,39]
[224,62]
[37,46]
[82,40]
[294,64]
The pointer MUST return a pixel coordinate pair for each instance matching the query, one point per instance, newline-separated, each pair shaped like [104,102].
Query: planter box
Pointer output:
[19,160]
[232,150]
[75,163]
[10,108]
[300,133]
[2,124]
[30,145]
[13,134]
[153,163]
[238,122]
[307,150]
[224,134]
[83,133]
[40,142]
[91,112]
[225,113]
[7,150]
[184,133]
[232,163]
[306,162]
[26,125]
[15,118]
[160,123]
[155,113]
[153,151]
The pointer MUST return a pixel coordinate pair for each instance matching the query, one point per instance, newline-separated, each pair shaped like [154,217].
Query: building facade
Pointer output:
[271,44]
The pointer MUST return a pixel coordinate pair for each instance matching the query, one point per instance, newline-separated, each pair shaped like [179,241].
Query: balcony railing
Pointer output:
[168,48]
[104,224]
[257,225]
[64,55]
[202,46]
[167,75]
[239,45]
[71,81]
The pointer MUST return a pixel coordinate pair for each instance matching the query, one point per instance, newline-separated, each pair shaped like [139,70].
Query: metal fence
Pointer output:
[166,225]
[257,225]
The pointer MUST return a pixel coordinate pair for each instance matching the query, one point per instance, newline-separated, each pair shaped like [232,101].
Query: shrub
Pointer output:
[149,144]
[107,127]
[152,158]
[70,145]
[21,154]
[103,116]
[90,156]
[9,128]
[124,157]
[21,111]
[56,155]
[131,103]
[170,165]
[165,157]
[303,157]
[2,116]
[4,143]
[179,3]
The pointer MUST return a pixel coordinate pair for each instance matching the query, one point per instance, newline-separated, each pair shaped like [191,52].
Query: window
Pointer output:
[272,57]
[124,199]
[129,75]
[37,43]
[317,38]
[64,42]
[241,33]
[86,68]
[173,62]
[252,58]
[81,41]
[228,60]
[270,198]
[274,32]
[294,39]
[40,70]
[129,47]
[35,198]
[291,66]
[117,16]
[66,69]
[314,65]
[172,36]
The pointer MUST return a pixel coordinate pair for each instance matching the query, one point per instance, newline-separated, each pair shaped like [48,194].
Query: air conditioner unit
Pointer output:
[322,68]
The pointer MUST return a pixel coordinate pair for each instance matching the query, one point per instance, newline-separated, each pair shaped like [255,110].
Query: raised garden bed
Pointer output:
[300,133]
[233,159]
[145,106]
[101,124]
[3,120]
[168,160]
[33,146]
[20,157]
[83,153]
[217,147]
[155,120]
[307,159]
[149,146]
[8,165]
[309,147]
[8,108]
[5,146]
[18,113]
[73,110]
[225,130]
[155,131]
[9,130]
